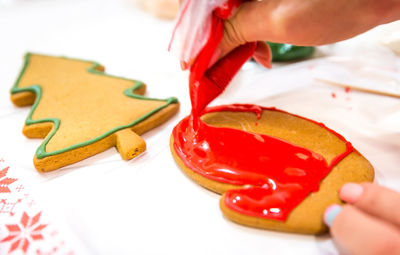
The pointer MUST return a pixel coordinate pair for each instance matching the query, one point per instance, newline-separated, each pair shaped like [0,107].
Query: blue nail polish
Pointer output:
[330,214]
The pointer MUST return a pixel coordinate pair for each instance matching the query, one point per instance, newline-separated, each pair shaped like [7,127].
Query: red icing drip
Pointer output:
[279,174]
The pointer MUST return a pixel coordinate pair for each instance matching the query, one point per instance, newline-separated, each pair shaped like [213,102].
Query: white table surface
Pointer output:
[104,205]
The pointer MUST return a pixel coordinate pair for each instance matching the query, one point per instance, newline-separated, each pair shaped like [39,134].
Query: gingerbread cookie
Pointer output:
[81,111]
[163,9]
[275,170]
[299,172]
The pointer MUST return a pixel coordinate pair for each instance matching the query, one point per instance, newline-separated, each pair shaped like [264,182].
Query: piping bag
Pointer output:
[198,32]
[280,174]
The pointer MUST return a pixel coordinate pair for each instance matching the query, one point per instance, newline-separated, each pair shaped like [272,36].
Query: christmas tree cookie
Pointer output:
[81,111]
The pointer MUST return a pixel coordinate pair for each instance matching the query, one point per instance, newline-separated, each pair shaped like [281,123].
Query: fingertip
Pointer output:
[330,214]
[269,54]
[184,65]
[263,54]
[351,192]
[263,62]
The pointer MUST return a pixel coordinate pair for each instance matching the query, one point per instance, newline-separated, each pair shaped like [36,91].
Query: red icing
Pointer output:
[278,174]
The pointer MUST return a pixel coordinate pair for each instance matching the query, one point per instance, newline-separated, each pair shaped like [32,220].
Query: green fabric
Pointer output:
[287,52]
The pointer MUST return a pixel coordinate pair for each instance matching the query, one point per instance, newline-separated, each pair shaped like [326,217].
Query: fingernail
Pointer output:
[263,54]
[351,192]
[184,65]
[330,214]
[268,64]
[269,57]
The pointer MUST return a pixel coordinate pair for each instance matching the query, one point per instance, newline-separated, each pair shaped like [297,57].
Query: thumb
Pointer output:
[242,27]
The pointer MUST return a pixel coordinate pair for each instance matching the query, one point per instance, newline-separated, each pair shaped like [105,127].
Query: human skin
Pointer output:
[306,23]
[369,223]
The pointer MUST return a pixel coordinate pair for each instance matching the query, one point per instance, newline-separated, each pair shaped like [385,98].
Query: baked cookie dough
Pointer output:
[163,9]
[306,217]
[81,111]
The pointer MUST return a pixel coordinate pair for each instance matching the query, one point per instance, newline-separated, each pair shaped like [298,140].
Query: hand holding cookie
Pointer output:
[370,223]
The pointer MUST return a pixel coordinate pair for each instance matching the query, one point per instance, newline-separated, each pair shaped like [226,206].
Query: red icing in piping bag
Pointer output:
[279,174]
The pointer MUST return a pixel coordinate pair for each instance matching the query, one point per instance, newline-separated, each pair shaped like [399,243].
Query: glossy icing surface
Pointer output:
[276,175]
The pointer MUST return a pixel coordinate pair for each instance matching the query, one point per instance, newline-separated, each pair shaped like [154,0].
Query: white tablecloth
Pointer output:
[104,205]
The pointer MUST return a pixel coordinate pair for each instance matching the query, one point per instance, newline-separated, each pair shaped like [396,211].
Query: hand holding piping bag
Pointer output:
[193,29]
[198,38]
[307,23]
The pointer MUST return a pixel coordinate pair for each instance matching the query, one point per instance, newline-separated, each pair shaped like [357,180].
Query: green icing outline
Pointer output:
[37,89]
